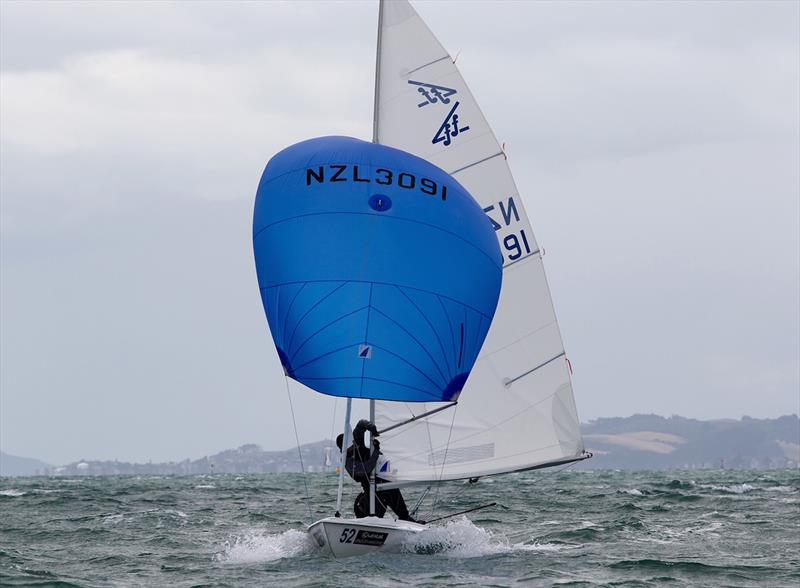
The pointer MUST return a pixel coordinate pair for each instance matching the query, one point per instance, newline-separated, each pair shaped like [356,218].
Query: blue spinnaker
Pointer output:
[379,273]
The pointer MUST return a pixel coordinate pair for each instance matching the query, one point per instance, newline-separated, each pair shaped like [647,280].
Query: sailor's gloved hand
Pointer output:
[373,429]
[376,444]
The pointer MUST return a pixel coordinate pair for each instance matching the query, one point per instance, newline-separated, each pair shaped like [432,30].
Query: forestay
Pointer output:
[517,410]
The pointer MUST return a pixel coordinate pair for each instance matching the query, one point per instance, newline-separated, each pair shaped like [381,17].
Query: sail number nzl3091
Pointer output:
[381,176]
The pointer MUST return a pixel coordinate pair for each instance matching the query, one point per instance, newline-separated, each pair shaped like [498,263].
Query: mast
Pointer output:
[375,140]
[343,455]
[377,75]
[372,473]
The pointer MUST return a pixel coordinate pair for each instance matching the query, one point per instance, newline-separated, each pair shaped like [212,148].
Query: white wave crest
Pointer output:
[732,489]
[784,489]
[461,538]
[257,547]
[12,492]
[631,491]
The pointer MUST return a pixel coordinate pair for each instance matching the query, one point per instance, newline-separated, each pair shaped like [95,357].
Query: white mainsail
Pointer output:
[517,410]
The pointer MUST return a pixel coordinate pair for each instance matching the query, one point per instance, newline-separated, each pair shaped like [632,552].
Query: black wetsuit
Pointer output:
[359,462]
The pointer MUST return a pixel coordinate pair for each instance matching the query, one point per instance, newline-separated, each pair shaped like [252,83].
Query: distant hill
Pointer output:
[648,441]
[641,441]
[247,459]
[12,465]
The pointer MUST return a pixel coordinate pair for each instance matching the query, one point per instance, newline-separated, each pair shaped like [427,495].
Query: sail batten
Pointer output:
[517,410]
[469,165]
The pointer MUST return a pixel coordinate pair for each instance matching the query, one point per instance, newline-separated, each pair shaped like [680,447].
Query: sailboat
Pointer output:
[486,386]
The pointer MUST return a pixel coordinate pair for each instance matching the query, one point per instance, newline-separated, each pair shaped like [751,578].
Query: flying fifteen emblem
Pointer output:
[433,93]
[449,128]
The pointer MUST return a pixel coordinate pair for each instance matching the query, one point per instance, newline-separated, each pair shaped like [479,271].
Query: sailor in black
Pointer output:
[359,463]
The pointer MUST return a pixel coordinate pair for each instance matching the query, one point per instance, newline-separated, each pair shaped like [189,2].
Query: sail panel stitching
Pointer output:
[416,69]
[452,173]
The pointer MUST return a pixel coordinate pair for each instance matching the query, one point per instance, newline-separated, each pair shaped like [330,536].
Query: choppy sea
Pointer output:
[569,528]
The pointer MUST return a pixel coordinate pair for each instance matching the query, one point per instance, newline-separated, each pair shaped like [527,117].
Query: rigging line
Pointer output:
[444,461]
[299,451]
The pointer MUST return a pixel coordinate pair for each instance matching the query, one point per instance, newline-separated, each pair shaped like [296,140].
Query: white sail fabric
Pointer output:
[517,410]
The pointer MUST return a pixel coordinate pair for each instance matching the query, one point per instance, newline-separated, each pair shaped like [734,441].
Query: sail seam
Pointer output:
[326,354]
[394,218]
[403,359]
[316,304]
[495,426]
[433,330]
[438,369]
[449,324]
[416,69]
[382,284]
[507,383]
[286,316]
[366,337]
[434,397]
[531,254]
[318,331]
[452,173]
[517,341]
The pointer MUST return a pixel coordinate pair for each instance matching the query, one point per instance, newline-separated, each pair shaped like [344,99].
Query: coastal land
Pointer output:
[638,442]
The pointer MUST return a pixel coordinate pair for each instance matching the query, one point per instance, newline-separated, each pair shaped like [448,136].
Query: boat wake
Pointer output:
[258,546]
[462,538]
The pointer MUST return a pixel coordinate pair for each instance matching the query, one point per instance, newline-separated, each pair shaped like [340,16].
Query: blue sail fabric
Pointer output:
[379,273]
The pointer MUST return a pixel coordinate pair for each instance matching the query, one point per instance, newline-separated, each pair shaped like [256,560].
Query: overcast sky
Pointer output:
[656,146]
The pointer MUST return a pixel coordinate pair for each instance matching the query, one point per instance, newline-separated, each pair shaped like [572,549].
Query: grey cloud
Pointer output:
[655,145]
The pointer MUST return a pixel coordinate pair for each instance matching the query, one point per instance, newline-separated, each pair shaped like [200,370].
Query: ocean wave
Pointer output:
[682,565]
[12,493]
[631,491]
[731,489]
[462,538]
[257,547]
[161,514]
[783,489]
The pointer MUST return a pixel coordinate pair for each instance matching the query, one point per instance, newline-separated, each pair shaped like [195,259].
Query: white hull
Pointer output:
[348,537]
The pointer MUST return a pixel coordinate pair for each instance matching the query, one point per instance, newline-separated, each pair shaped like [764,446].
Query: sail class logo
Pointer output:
[433,93]
[449,128]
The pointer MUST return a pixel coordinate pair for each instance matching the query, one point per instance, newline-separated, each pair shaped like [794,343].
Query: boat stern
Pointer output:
[348,537]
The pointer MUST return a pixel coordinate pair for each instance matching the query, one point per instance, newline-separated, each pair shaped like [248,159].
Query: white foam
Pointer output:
[732,489]
[13,492]
[632,491]
[113,519]
[784,489]
[205,487]
[461,538]
[257,546]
